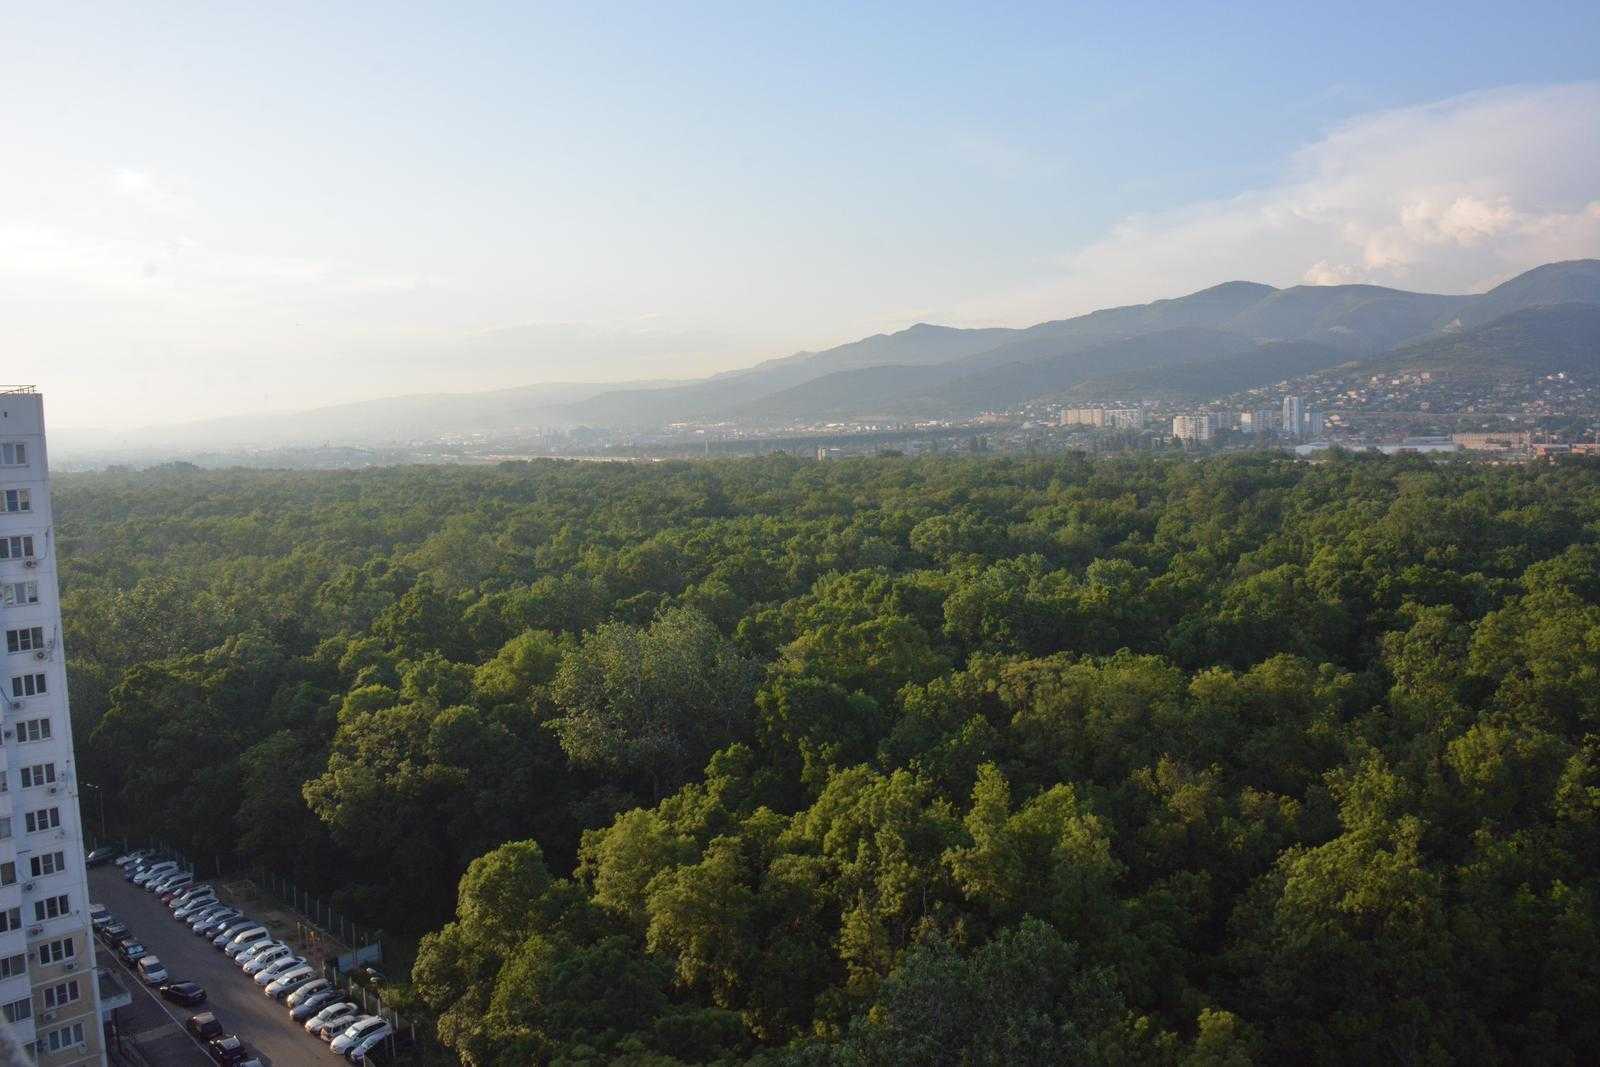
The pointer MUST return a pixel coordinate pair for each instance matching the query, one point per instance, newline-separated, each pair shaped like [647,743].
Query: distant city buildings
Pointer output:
[1258,421]
[1497,441]
[1104,418]
[1293,416]
[1193,429]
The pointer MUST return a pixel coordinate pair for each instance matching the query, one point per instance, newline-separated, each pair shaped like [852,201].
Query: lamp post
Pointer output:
[100,803]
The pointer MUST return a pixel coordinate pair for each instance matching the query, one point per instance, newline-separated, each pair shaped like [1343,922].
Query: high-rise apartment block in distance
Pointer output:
[1192,429]
[48,990]
[1258,421]
[1294,424]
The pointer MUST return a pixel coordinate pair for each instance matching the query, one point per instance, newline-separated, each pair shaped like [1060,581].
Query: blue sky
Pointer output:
[210,209]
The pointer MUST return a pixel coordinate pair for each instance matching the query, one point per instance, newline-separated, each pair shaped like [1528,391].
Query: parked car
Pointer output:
[100,857]
[99,915]
[218,921]
[232,927]
[151,970]
[113,932]
[194,906]
[205,913]
[227,1049]
[334,1018]
[192,892]
[144,875]
[168,879]
[130,951]
[276,969]
[169,884]
[252,963]
[288,981]
[250,935]
[204,1026]
[308,1007]
[172,896]
[305,992]
[358,1032]
[133,857]
[184,992]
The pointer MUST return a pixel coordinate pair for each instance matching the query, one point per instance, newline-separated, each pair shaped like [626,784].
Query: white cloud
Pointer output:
[1453,196]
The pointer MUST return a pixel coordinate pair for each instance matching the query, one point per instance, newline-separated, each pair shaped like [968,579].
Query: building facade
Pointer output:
[1293,416]
[48,992]
[1192,429]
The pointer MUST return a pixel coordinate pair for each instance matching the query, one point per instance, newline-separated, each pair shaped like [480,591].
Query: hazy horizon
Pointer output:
[212,213]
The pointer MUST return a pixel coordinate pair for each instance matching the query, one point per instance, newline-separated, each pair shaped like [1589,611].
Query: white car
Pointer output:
[358,1032]
[306,992]
[223,938]
[194,906]
[133,857]
[180,899]
[313,1003]
[99,915]
[275,970]
[151,971]
[334,1019]
[253,962]
[247,939]
[159,870]
[288,981]
[180,880]
[207,913]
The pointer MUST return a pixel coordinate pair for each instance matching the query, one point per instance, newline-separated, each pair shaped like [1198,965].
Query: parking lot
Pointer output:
[239,1003]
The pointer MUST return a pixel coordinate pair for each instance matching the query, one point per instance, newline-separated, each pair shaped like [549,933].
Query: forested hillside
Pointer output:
[889,761]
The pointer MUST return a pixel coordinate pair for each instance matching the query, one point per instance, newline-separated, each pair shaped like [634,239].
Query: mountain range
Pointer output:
[1233,336]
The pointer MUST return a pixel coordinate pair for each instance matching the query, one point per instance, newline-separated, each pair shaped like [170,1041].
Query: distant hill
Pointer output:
[1576,281]
[1259,365]
[1531,342]
[1015,383]
[1229,337]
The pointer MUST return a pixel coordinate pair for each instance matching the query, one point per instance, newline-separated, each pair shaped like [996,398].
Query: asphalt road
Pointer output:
[240,1005]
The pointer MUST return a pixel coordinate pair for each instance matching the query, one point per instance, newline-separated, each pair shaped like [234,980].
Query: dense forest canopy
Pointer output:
[986,761]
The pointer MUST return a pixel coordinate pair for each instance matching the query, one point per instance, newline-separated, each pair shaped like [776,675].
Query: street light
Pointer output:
[100,799]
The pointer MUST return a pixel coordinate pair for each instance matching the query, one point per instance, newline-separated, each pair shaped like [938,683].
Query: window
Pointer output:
[56,951]
[33,730]
[25,639]
[17,546]
[12,966]
[16,500]
[5,831]
[38,774]
[18,1010]
[51,908]
[10,919]
[48,863]
[15,593]
[66,1037]
[27,685]
[8,873]
[62,994]
[43,819]
[13,454]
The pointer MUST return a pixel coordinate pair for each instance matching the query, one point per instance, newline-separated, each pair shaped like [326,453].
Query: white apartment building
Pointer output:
[49,995]
[1293,416]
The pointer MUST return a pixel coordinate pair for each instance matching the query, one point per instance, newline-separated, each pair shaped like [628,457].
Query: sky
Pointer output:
[211,209]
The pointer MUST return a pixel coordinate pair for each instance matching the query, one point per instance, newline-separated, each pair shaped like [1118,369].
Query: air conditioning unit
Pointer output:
[47,1017]
[70,966]
[30,563]
[27,887]
[10,733]
[41,654]
[53,790]
[35,931]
